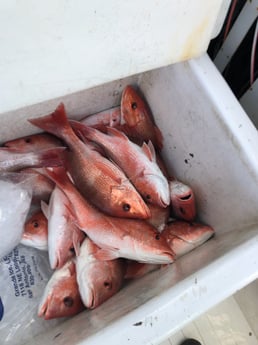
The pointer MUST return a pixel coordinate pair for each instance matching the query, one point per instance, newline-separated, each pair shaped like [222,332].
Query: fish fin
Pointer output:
[106,254]
[71,267]
[78,237]
[97,148]
[100,165]
[159,138]
[85,132]
[50,157]
[81,136]
[57,175]
[71,217]
[89,136]
[148,151]
[44,208]
[152,149]
[56,123]
[116,133]
[80,130]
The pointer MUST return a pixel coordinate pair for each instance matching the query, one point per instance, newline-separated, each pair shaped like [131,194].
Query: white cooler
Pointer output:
[209,143]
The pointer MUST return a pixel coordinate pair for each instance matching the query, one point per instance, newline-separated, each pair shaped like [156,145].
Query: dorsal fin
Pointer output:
[149,151]
[153,152]
[116,133]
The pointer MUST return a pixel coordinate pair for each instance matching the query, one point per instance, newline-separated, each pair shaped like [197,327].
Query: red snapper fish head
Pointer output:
[154,249]
[182,237]
[156,193]
[103,280]
[61,296]
[133,108]
[36,231]
[34,142]
[128,202]
[136,119]
[182,200]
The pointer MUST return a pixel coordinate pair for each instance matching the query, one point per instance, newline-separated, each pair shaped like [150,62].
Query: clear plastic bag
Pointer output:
[24,274]
[15,200]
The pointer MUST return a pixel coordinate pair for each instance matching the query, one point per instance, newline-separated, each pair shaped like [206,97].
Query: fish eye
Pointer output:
[27,140]
[72,250]
[35,224]
[134,105]
[148,197]
[107,285]
[126,207]
[157,237]
[68,301]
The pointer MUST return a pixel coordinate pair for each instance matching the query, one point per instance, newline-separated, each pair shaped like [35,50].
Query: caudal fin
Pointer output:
[56,123]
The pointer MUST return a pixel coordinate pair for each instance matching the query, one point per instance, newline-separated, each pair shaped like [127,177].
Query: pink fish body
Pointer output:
[97,178]
[61,297]
[98,280]
[36,231]
[183,237]
[64,237]
[110,118]
[117,237]
[36,142]
[138,163]
[13,160]
[182,200]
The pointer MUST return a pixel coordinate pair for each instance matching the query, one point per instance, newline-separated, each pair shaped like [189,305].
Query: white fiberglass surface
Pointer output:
[57,47]
[210,143]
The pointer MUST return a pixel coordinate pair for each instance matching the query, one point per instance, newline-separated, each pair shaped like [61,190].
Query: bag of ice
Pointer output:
[15,199]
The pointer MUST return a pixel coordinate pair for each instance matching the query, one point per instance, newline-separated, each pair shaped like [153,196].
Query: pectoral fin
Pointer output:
[44,208]
[149,151]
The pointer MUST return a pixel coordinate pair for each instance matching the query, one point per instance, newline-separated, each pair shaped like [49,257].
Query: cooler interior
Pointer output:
[209,143]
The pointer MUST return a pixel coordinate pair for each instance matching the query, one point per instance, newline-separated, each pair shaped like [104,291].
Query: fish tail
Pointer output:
[56,123]
[50,157]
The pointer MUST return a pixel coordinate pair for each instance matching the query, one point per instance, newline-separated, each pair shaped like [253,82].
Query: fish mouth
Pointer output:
[35,243]
[92,300]
[54,264]
[165,258]
[164,202]
[42,311]
[141,212]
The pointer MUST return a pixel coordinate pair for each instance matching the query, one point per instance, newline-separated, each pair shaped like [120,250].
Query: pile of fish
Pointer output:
[107,209]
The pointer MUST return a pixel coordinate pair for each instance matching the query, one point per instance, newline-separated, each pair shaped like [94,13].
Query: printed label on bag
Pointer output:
[22,273]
